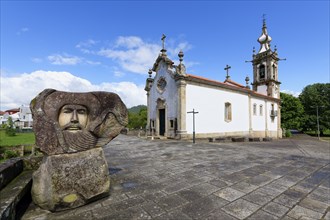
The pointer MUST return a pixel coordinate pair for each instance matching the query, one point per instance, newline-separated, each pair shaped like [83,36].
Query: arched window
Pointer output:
[228,111]
[260,110]
[262,71]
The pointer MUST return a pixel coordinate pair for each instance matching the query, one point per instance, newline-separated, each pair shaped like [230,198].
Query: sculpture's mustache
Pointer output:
[73,127]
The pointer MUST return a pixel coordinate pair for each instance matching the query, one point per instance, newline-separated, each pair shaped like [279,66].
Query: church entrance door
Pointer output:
[161,122]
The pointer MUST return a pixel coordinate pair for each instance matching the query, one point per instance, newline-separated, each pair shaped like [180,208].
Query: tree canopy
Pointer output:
[316,101]
[292,112]
[137,120]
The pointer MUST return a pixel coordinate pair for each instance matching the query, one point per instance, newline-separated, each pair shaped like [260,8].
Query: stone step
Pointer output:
[9,170]
[16,196]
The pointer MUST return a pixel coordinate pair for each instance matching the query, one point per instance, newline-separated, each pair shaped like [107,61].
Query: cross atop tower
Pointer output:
[163,50]
[264,19]
[163,39]
[227,70]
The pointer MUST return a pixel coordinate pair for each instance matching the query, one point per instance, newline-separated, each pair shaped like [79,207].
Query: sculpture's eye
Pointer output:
[67,110]
[81,111]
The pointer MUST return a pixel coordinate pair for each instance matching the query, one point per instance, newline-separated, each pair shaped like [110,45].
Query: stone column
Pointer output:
[181,132]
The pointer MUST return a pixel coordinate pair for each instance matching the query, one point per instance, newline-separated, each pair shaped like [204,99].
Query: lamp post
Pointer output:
[193,112]
[317,119]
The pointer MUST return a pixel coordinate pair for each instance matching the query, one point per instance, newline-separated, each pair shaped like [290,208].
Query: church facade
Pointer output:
[225,109]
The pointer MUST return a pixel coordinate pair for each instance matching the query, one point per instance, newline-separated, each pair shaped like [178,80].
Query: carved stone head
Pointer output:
[70,122]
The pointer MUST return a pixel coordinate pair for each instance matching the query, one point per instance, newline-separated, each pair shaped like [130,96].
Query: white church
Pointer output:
[225,109]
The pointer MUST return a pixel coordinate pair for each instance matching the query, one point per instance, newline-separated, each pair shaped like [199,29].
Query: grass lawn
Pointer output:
[324,137]
[19,139]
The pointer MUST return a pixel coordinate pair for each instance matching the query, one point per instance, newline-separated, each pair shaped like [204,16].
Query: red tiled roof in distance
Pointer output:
[231,82]
[231,85]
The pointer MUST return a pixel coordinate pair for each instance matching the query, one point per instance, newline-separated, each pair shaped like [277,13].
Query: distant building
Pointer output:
[225,109]
[22,117]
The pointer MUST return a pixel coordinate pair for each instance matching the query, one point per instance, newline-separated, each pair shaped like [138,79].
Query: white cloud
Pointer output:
[58,59]
[137,56]
[118,73]
[92,62]
[132,54]
[86,46]
[21,89]
[184,46]
[294,93]
[36,60]
[22,30]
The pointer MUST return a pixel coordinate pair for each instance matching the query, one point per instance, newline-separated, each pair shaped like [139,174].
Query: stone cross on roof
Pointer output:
[227,69]
[163,50]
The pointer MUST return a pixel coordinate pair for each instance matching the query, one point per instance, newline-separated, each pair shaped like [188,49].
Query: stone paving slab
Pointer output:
[167,179]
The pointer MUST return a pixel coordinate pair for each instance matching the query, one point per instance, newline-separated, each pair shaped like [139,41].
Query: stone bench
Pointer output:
[255,139]
[238,139]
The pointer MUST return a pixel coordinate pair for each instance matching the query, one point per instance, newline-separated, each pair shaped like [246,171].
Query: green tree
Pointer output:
[10,129]
[316,97]
[292,112]
[137,120]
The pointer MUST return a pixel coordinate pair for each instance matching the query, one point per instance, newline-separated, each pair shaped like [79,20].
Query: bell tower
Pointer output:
[265,66]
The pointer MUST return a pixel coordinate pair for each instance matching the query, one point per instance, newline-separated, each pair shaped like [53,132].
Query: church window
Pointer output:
[274,71]
[228,112]
[272,113]
[254,109]
[262,71]
[261,110]
[172,123]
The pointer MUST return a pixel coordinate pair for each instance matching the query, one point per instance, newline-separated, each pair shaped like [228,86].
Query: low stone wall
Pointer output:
[136,132]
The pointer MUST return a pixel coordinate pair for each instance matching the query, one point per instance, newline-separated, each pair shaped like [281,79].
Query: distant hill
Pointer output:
[136,109]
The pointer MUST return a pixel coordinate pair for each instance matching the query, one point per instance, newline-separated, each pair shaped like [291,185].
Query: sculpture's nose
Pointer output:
[74,118]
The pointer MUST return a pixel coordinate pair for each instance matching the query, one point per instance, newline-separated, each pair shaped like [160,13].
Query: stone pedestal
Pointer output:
[67,181]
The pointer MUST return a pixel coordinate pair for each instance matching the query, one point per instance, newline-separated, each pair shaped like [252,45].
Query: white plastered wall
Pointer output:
[272,124]
[258,120]
[210,103]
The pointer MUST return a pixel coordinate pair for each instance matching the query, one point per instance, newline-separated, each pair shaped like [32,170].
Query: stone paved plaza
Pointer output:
[167,179]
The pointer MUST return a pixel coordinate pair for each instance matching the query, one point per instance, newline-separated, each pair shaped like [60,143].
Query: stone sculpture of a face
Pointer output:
[73,118]
[71,122]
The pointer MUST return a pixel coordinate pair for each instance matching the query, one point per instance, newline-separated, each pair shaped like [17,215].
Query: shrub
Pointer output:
[288,133]
[10,130]
[10,154]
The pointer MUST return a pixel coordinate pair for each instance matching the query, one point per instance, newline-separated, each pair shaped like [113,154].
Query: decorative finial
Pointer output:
[150,73]
[254,50]
[263,20]
[264,39]
[180,55]
[163,50]
[227,69]
[247,79]
[275,48]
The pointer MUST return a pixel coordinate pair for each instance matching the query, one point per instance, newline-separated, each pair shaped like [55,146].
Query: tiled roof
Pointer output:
[228,84]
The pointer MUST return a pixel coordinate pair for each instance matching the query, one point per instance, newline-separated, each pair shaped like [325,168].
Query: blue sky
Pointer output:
[110,45]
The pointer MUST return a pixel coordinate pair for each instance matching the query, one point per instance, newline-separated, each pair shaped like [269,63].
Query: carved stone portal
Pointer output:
[71,129]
